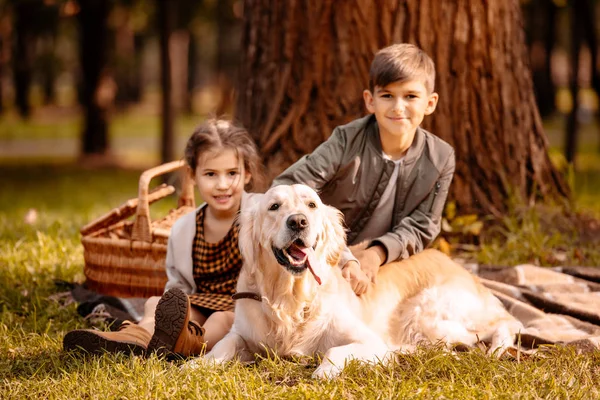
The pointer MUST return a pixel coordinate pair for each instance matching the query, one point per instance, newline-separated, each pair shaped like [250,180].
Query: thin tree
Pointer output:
[166,18]
[306,63]
[24,52]
[583,32]
[92,19]
[228,52]
[541,38]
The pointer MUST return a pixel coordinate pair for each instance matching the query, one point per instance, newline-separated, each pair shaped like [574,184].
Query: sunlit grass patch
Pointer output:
[32,325]
[67,123]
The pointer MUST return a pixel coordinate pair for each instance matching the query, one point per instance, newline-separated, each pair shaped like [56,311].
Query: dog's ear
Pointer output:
[334,234]
[250,199]
[248,236]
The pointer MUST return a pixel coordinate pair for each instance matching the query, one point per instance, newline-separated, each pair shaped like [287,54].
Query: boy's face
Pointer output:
[400,107]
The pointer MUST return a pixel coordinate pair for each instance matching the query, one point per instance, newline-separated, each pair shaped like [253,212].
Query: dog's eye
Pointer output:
[274,207]
[312,204]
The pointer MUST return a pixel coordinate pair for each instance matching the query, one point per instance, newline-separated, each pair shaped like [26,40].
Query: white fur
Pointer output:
[427,298]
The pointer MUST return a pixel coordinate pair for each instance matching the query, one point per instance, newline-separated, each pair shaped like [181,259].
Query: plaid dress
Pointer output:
[216,268]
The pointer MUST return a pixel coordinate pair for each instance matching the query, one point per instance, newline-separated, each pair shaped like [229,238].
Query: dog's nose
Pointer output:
[297,222]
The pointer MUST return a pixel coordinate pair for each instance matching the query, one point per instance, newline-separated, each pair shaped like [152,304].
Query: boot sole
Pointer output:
[92,343]
[169,321]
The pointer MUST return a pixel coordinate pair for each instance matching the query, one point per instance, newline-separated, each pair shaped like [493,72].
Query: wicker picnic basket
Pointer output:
[126,258]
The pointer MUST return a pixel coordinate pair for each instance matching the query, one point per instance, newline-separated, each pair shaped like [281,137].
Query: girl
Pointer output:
[203,259]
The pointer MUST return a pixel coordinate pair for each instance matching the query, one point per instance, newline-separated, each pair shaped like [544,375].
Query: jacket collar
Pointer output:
[414,151]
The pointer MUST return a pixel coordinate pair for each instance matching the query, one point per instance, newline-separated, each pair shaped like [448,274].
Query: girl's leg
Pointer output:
[147,321]
[217,326]
[197,316]
[130,337]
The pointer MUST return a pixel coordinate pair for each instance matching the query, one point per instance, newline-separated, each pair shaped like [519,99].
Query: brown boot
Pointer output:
[174,333]
[130,338]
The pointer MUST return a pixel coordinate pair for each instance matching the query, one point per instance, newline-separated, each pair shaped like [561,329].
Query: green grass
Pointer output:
[53,134]
[32,364]
[66,197]
[66,123]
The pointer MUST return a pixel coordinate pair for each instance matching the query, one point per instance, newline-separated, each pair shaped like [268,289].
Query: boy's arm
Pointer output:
[318,168]
[417,230]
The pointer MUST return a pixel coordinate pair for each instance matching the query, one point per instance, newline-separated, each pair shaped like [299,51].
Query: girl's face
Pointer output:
[220,178]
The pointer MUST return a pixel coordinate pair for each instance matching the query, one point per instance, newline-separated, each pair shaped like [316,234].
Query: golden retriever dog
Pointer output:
[294,300]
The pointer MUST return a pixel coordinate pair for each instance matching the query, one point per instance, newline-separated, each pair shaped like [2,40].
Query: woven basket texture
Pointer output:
[126,257]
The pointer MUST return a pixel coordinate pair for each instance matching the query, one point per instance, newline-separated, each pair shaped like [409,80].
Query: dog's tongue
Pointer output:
[299,253]
[312,263]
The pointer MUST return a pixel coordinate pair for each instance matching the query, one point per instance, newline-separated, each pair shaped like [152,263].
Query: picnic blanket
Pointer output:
[97,308]
[559,305]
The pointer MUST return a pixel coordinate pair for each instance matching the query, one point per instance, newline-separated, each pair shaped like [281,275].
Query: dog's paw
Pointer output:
[212,358]
[327,370]
[194,364]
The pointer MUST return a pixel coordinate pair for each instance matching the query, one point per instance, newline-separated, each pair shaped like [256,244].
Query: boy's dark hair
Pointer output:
[399,63]
[215,134]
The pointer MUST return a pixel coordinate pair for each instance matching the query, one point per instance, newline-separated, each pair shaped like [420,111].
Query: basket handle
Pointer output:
[141,226]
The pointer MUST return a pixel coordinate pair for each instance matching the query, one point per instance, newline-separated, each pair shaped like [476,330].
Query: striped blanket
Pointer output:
[559,305]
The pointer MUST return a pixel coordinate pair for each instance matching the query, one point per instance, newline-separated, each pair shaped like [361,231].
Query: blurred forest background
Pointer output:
[123,82]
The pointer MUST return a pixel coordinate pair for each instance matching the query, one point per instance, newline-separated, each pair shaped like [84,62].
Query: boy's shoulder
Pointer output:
[438,150]
[354,131]
[356,126]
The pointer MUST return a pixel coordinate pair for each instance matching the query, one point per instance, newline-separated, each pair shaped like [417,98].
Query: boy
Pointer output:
[388,176]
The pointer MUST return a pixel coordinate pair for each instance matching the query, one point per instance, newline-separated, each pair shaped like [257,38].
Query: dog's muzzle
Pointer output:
[293,256]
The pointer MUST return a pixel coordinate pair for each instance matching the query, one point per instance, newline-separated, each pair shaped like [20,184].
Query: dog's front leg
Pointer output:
[336,357]
[230,347]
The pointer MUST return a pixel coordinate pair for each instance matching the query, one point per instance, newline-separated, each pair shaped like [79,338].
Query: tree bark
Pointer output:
[192,62]
[24,54]
[126,64]
[541,39]
[228,50]
[92,18]
[305,65]
[572,125]
[166,17]
[588,13]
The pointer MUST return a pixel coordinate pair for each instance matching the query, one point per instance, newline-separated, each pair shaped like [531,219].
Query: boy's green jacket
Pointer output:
[350,172]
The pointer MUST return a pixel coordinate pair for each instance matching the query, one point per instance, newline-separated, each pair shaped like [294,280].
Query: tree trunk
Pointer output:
[228,51]
[124,65]
[192,62]
[24,54]
[588,16]
[305,65]
[166,16]
[92,18]
[49,62]
[572,127]
[46,62]
[4,54]
[541,40]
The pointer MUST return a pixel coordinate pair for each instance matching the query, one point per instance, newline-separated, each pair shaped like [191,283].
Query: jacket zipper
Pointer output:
[435,193]
[352,227]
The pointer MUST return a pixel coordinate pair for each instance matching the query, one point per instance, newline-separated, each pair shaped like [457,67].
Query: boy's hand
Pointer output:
[370,260]
[358,279]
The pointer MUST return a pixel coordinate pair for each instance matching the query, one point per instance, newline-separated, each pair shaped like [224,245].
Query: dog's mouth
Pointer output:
[296,258]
